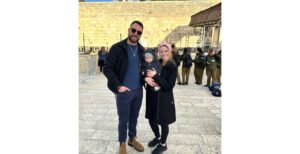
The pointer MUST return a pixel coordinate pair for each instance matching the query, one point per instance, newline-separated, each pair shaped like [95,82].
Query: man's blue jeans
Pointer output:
[128,105]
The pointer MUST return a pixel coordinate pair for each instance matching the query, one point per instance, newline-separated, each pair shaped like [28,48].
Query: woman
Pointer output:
[160,105]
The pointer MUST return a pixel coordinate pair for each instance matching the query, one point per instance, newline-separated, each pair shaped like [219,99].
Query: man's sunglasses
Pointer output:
[138,32]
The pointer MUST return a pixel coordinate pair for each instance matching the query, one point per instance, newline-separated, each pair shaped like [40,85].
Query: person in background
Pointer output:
[90,50]
[211,67]
[177,60]
[200,63]
[102,53]
[218,72]
[186,66]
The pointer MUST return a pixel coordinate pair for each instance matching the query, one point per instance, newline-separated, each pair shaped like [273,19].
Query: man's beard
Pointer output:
[132,40]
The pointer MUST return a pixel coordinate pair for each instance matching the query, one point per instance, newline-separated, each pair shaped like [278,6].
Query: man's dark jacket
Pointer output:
[117,63]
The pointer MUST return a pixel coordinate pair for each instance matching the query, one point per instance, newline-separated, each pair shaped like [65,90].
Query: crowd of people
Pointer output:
[211,63]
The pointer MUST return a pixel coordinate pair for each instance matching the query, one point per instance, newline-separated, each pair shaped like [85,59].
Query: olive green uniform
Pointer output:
[211,69]
[185,69]
[177,60]
[218,71]
[200,63]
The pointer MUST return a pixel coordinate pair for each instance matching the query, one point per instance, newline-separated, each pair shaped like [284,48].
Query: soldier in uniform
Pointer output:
[200,63]
[177,60]
[211,67]
[187,63]
[218,55]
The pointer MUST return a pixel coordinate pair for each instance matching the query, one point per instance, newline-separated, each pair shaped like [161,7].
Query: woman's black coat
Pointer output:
[163,100]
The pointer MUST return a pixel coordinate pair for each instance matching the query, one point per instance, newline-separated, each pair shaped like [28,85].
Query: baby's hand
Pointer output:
[151,73]
[156,85]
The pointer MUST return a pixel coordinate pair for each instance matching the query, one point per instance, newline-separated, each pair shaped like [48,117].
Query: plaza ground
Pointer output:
[196,130]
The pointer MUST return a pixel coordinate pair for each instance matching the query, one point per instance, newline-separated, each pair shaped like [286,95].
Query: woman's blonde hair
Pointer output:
[169,48]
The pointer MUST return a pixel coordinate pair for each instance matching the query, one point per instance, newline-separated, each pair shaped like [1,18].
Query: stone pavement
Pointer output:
[197,129]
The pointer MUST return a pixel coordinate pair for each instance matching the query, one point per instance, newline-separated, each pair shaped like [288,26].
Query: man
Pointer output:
[177,59]
[123,71]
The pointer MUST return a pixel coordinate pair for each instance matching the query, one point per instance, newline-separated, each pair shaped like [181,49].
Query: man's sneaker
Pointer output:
[122,149]
[159,149]
[137,145]
[153,142]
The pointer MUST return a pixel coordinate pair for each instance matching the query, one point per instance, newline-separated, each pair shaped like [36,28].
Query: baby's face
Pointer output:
[148,59]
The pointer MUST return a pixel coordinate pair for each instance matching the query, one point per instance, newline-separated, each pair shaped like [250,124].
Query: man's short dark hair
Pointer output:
[200,50]
[185,49]
[137,22]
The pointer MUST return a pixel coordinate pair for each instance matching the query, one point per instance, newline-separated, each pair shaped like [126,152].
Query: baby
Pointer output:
[151,63]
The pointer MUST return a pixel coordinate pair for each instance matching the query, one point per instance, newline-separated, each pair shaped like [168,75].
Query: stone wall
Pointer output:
[104,24]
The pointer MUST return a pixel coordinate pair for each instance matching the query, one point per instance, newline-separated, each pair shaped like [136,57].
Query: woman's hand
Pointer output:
[151,73]
[150,81]
[156,85]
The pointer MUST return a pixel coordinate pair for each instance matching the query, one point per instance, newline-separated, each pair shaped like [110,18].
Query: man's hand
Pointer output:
[122,89]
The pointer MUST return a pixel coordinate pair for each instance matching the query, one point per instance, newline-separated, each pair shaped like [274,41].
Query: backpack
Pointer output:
[188,62]
[216,92]
[177,59]
[215,89]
